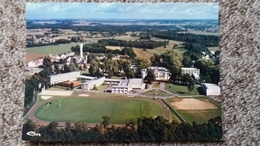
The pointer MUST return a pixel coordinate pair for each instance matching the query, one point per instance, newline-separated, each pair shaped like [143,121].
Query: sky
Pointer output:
[121,11]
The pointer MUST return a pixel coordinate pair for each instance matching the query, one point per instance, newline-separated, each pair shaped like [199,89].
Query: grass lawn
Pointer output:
[213,49]
[84,72]
[102,87]
[199,116]
[156,85]
[180,50]
[52,49]
[91,110]
[116,77]
[181,90]
[156,92]
[173,118]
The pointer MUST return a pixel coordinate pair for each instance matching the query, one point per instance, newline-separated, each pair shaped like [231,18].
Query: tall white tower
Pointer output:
[81,50]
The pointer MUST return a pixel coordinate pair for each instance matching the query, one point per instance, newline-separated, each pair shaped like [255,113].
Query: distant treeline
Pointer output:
[207,40]
[111,29]
[57,42]
[146,129]
[149,44]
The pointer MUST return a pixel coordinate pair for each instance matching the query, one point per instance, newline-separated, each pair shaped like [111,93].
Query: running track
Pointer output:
[37,121]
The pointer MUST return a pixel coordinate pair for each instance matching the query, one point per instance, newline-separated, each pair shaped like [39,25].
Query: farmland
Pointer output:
[51,49]
[143,54]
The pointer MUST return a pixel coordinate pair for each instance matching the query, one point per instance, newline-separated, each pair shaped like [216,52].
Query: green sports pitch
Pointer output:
[91,110]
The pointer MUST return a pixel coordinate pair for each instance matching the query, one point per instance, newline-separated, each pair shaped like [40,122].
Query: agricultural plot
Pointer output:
[114,47]
[51,49]
[199,109]
[142,54]
[91,110]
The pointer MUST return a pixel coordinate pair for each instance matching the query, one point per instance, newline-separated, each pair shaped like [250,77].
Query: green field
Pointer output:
[213,49]
[91,110]
[180,90]
[156,92]
[199,116]
[52,49]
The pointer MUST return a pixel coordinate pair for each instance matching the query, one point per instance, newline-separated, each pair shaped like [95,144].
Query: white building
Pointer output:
[190,70]
[160,73]
[211,89]
[89,85]
[59,78]
[125,86]
[195,72]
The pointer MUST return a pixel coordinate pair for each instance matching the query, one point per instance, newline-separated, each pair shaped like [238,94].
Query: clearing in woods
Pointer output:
[114,47]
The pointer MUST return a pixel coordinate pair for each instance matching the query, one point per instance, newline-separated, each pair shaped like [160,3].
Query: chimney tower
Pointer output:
[81,50]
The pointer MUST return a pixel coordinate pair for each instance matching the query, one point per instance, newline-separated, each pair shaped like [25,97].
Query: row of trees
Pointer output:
[113,67]
[138,44]
[100,48]
[143,129]
[57,42]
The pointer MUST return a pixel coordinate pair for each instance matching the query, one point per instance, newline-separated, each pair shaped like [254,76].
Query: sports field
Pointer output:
[91,110]
[199,109]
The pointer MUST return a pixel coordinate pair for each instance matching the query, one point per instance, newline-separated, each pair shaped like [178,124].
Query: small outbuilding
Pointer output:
[211,89]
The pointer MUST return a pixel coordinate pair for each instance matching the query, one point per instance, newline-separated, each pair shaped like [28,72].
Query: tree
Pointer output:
[186,61]
[150,77]
[206,69]
[106,120]
[94,68]
[186,79]
[111,67]
[71,86]
[191,86]
[126,66]
[47,62]
[141,64]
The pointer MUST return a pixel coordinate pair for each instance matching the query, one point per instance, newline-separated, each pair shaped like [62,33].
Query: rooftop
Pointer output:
[188,68]
[211,86]
[135,82]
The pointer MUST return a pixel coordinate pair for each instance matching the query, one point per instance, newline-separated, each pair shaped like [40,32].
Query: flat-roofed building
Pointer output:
[128,85]
[89,85]
[211,89]
[190,70]
[59,78]
[160,73]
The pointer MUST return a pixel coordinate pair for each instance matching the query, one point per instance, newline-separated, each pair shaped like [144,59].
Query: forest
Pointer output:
[145,129]
[206,40]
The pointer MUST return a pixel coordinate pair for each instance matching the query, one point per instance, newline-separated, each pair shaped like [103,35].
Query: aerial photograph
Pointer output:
[122,72]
